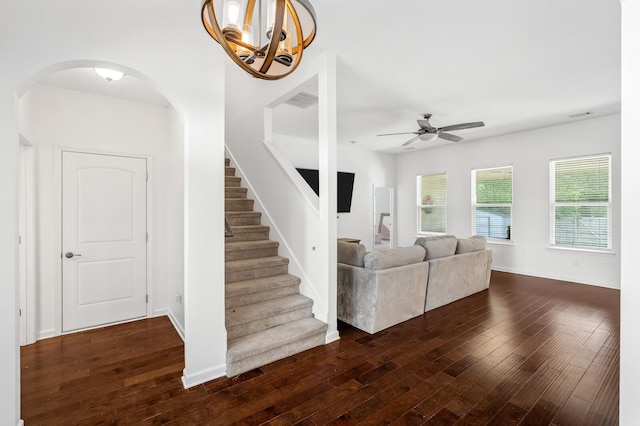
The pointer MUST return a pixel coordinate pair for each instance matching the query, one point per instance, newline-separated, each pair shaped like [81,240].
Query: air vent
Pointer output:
[581,114]
[302,100]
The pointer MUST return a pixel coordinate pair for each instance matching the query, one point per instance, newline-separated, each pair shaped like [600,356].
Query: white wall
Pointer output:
[172,189]
[529,154]
[306,232]
[161,42]
[62,118]
[630,290]
[370,168]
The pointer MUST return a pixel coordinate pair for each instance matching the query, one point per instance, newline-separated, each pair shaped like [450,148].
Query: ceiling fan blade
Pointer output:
[404,133]
[410,141]
[450,137]
[462,126]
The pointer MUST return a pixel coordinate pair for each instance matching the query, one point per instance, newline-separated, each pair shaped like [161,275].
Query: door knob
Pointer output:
[69,255]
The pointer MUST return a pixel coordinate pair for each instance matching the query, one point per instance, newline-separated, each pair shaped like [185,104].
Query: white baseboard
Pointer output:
[194,379]
[20,422]
[45,334]
[176,324]
[550,277]
[331,336]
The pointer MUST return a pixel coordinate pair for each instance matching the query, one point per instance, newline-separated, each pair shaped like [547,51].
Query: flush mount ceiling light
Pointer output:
[109,75]
[246,30]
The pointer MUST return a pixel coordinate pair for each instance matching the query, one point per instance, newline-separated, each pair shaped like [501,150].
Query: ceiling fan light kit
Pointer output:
[429,133]
[265,38]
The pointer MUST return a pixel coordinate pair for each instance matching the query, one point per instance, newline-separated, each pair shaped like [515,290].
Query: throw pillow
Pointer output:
[438,246]
[467,245]
[390,258]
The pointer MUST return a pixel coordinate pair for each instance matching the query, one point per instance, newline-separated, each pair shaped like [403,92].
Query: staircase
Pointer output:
[267,319]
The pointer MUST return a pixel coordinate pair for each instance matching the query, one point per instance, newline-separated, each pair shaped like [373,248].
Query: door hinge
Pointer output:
[147,237]
[20,312]
[147,299]
[19,240]
[147,174]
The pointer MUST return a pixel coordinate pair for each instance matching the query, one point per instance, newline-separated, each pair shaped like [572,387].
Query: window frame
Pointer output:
[420,204]
[553,205]
[475,205]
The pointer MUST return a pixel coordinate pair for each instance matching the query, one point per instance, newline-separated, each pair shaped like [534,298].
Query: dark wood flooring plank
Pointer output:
[528,351]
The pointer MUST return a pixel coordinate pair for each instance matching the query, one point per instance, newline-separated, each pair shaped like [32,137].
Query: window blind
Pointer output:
[432,203]
[492,202]
[580,202]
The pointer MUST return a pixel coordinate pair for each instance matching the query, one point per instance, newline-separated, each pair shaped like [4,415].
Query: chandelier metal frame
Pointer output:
[258,60]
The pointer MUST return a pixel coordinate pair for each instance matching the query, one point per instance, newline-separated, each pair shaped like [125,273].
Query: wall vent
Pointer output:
[302,100]
[581,114]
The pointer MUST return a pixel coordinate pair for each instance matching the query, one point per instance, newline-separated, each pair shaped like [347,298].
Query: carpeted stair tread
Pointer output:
[235,192]
[248,233]
[262,262]
[267,309]
[270,339]
[249,245]
[232,181]
[236,218]
[237,250]
[246,287]
[245,229]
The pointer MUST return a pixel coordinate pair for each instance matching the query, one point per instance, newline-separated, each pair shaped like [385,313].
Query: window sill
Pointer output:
[498,242]
[583,250]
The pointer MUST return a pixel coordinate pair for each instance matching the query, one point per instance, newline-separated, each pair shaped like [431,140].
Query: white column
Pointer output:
[327,163]
[630,251]
[205,333]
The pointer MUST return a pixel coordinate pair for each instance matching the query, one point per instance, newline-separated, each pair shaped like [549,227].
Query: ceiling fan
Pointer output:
[427,132]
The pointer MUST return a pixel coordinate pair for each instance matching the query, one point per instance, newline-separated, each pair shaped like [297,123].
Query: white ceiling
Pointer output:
[514,64]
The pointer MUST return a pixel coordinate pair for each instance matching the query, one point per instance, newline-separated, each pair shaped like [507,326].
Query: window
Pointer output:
[491,203]
[580,202]
[432,203]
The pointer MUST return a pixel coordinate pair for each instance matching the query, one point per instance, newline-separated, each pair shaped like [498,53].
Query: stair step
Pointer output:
[232,181]
[238,204]
[243,218]
[229,171]
[248,233]
[227,161]
[246,292]
[248,319]
[249,269]
[250,249]
[258,349]
[235,192]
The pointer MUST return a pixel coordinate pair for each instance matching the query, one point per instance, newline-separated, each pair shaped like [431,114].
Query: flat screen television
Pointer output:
[345,186]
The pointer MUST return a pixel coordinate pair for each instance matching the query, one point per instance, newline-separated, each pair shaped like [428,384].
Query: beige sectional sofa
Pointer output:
[379,289]
[457,268]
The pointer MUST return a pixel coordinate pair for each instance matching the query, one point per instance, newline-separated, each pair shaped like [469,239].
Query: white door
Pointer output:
[104,249]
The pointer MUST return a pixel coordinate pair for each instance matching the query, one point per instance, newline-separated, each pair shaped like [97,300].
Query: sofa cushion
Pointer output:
[390,258]
[438,246]
[467,245]
[351,254]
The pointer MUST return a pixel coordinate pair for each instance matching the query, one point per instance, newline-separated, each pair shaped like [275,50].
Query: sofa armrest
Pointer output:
[375,300]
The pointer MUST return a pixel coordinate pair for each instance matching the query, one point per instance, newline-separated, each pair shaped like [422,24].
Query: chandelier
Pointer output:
[248,28]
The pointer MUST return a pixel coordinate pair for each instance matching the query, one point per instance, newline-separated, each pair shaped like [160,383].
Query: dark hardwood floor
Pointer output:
[528,351]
